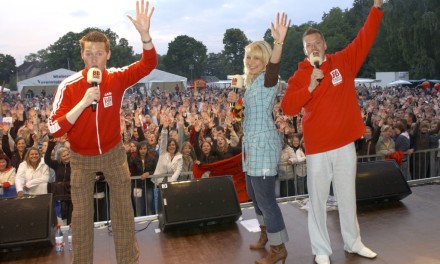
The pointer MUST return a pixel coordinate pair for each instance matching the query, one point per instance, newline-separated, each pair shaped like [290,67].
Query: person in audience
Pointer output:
[7,176]
[61,187]
[385,145]
[402,144]
[16,156]
[223,150]
[188,157]
[286,174]
[299,147]
[324,86]
[423,140]
[32,174]
[143,165]
[262,143]
[170,160]
[203,150]
[131,149]
[152,143]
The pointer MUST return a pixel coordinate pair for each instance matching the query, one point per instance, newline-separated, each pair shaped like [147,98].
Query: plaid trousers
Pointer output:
[115,168]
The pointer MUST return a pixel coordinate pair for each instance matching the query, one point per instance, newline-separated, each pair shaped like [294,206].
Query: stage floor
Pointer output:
[404,232]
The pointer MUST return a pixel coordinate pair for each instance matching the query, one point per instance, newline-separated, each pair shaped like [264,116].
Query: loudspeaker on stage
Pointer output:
[380,181]
[198,202]
[28,220]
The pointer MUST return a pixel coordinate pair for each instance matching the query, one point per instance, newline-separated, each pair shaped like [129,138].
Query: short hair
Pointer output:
[219,128]
[399,125]
[311,31]
[60,151]
[95,36]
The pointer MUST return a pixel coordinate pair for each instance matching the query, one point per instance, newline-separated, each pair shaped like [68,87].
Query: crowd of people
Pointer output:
[165,134]
[399,118]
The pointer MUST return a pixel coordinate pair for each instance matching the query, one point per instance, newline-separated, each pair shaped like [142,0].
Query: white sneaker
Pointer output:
[322,259]
[365,252]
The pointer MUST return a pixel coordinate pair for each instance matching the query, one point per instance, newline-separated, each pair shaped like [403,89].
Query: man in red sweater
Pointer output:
[324,86]
[95,138]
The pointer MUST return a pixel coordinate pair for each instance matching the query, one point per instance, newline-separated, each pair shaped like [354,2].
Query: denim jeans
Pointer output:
[262,192]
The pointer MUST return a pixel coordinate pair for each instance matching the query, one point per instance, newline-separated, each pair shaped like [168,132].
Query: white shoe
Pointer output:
[365,252]
[322,259]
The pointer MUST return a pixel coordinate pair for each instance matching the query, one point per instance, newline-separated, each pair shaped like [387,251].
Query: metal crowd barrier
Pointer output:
[421,164]
[292,182]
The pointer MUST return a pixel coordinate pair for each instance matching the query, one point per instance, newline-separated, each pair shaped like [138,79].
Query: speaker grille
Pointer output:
[26,220]
[198,201]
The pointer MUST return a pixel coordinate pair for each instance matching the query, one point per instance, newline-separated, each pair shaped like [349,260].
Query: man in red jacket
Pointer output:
[324,86]
[95,138]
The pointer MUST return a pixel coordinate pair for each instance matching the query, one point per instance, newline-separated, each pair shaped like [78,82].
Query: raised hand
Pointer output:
[280,28]
[142,19]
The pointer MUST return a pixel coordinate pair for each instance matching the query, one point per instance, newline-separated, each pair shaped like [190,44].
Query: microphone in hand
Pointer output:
[94,77]
[315,61]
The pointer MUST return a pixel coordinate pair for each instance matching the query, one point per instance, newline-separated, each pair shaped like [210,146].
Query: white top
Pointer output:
[36,180]
[165,165]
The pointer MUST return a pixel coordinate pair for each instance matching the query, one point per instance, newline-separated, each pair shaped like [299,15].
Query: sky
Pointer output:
[29,26]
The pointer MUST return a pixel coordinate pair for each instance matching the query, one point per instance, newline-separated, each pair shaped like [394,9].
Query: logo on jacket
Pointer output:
[336,77]
[107,99]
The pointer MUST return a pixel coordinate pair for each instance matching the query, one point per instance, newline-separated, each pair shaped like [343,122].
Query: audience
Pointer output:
[398,119]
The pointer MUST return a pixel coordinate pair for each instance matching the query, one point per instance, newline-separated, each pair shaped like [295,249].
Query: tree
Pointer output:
[215,66]
[61,54]
[234,41]
[121,54]
[7,68]
[66,52]
[183,52]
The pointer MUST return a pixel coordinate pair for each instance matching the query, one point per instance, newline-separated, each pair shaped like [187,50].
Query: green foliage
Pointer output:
[66,52]
[234,41]
[7,68]
[215,66]
[186,57]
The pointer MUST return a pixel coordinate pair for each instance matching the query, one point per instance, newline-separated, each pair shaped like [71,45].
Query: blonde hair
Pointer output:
[385,128]
[260,50]
[27,159]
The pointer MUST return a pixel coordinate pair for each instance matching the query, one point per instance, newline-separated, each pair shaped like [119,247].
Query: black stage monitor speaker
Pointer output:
[198,202]
[380,181]
[26,221]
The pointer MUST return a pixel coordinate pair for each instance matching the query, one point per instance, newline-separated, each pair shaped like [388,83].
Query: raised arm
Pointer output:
[142,22]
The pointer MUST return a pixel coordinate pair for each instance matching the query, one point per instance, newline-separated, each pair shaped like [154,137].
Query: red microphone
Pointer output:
[94,77]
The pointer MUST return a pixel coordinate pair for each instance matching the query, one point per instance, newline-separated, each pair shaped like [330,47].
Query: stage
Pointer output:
[403,232]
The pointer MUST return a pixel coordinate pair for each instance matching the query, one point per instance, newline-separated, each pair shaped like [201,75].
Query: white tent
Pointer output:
[399,83]
[47,82]
[164,81]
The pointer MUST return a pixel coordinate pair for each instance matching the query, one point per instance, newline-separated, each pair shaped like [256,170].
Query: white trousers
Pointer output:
[337,166]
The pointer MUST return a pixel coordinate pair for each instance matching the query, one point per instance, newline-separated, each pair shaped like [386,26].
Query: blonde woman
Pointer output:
[262,143]
[32,174]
